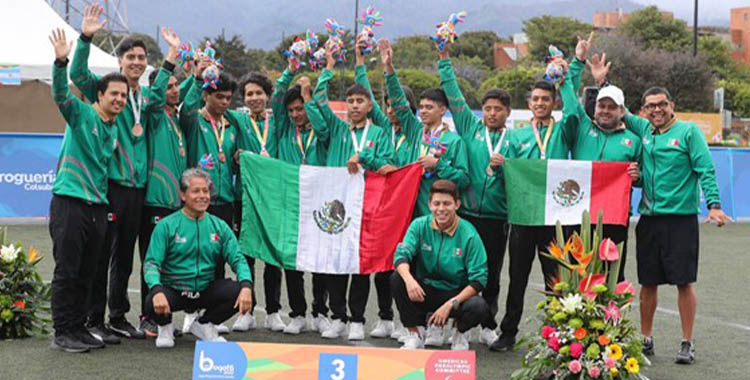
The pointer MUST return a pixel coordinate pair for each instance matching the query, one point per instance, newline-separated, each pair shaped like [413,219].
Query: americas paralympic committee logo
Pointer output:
[568,193]
[331,218]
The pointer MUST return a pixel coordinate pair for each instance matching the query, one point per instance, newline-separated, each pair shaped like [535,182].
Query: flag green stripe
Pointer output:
[525,184]
[270,209]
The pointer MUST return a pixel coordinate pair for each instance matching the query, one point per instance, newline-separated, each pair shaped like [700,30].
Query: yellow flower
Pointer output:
[614,372]
[632,366]
[33,253]
[615,351]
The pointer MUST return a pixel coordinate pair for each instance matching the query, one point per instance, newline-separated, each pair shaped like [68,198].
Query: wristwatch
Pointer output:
[455,304]
[714,206]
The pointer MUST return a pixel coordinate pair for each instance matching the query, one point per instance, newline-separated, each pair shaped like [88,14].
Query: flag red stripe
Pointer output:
[386,215]
[610,191]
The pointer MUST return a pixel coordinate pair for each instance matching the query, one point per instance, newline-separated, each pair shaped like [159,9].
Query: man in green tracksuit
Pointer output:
[77,222]
[401,156]
[167,158]
[602,139]
[543,138]
[181,263]
[483,203]
[127,179]
[441,267]
[357,145]
[676,160]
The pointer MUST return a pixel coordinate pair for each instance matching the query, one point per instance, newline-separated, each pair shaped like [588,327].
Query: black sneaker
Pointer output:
[68,342]
[686,355]
[103,334]
[148,327]
[122,327]
[505,342]
[85,336]
[648,346]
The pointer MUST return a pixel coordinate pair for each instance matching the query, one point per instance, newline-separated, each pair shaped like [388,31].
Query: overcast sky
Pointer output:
[707,9]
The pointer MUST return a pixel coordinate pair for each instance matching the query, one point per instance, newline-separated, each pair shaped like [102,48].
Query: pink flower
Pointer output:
[547,332]
[612,312]
[554,343]
[575,366]
[576,349]
[625,287]
[588,283]
[594,372]
[610,362]
[608,250]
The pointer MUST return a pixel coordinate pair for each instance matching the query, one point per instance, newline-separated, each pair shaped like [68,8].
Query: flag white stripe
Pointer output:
[560,172]
[320,251]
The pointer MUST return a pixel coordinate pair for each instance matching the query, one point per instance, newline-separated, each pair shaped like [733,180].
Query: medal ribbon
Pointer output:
[542,146]
[174,127]
[400,140]
[262,138]
[358,146]
[137,106]
[303,149]
[488,139]
[222,127]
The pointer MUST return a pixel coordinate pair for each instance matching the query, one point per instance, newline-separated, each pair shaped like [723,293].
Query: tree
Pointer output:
[653,29]
[553,30]
[477,44]
[416,52]
[517,81]
[717,52]
[737,97]
[233,53]
[471,69]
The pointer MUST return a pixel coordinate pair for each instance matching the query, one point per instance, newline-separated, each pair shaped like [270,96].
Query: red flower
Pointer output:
[554,343]
[608,250]
[547,332]
[589,283]
[19,304]
[576,349]
[580,333]
[625,287]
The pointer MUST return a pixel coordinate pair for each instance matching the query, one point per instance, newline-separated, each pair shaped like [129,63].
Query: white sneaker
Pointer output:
[434,336]
[221,329]
[188,321]
[274,322]
[244,323]
[206,331]
[412,341]
[336,329]
[320,323]
[356,331]
[487,336]
[165,338]
[399,332]
[296,326]
[383,329]
[460,341]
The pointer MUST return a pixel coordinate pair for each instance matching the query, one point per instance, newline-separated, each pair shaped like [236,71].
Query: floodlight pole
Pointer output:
[695,29]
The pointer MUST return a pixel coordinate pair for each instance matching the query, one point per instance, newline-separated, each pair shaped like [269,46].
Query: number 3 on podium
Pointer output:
[337,367]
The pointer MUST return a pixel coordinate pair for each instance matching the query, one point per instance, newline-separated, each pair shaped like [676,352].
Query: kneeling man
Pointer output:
[181,261]
[441,267]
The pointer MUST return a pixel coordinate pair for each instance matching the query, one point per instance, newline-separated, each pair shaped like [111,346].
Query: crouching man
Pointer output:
[180,265]
[441,267]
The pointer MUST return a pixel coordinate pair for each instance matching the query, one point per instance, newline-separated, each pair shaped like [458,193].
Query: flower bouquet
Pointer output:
[585,333]
[23,294]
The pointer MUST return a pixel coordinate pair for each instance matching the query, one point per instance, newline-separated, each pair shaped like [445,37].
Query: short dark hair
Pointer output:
[358,89]
[500,95]
[293,94]
[656,90]
[103,83]
[436,94]
[409,94]
[444,186]
[259,79]
[129,43]
[546,86]
[225,83]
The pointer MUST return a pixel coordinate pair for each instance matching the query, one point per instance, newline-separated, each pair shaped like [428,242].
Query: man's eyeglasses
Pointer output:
[652,106]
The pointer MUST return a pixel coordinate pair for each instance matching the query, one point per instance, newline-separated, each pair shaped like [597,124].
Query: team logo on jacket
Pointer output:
[458,252]
[179,239]
[568,193]
[426,247]
[331,218]
[207,162]
[627,142]
[673,142]
[214,238]
[370,144]
[593,133]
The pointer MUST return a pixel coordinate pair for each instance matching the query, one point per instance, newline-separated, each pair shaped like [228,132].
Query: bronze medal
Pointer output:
[490,172]
[182,151]
[137,130]
[222,157]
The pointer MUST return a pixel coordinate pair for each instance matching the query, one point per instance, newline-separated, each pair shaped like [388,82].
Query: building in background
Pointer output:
[739,29]
[508,54]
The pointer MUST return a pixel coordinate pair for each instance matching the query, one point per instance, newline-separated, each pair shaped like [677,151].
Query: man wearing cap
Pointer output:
[603,139]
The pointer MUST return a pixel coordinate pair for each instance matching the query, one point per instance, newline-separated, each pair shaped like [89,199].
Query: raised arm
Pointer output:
[157,92]
[463,118]
[360,76]
[69,106]
[80,74]
[409,122]
[314,116]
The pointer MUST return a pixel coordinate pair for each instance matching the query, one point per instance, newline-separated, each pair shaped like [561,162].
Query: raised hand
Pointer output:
[171,38]
[445,53]
[60,44]
[386,54]
[599,68]
[583,47]
[90,23]
[330,58]
[305,87]
[359,59]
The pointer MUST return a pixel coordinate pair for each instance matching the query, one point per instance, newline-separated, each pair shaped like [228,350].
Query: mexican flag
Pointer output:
[321,219]
[541,192]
